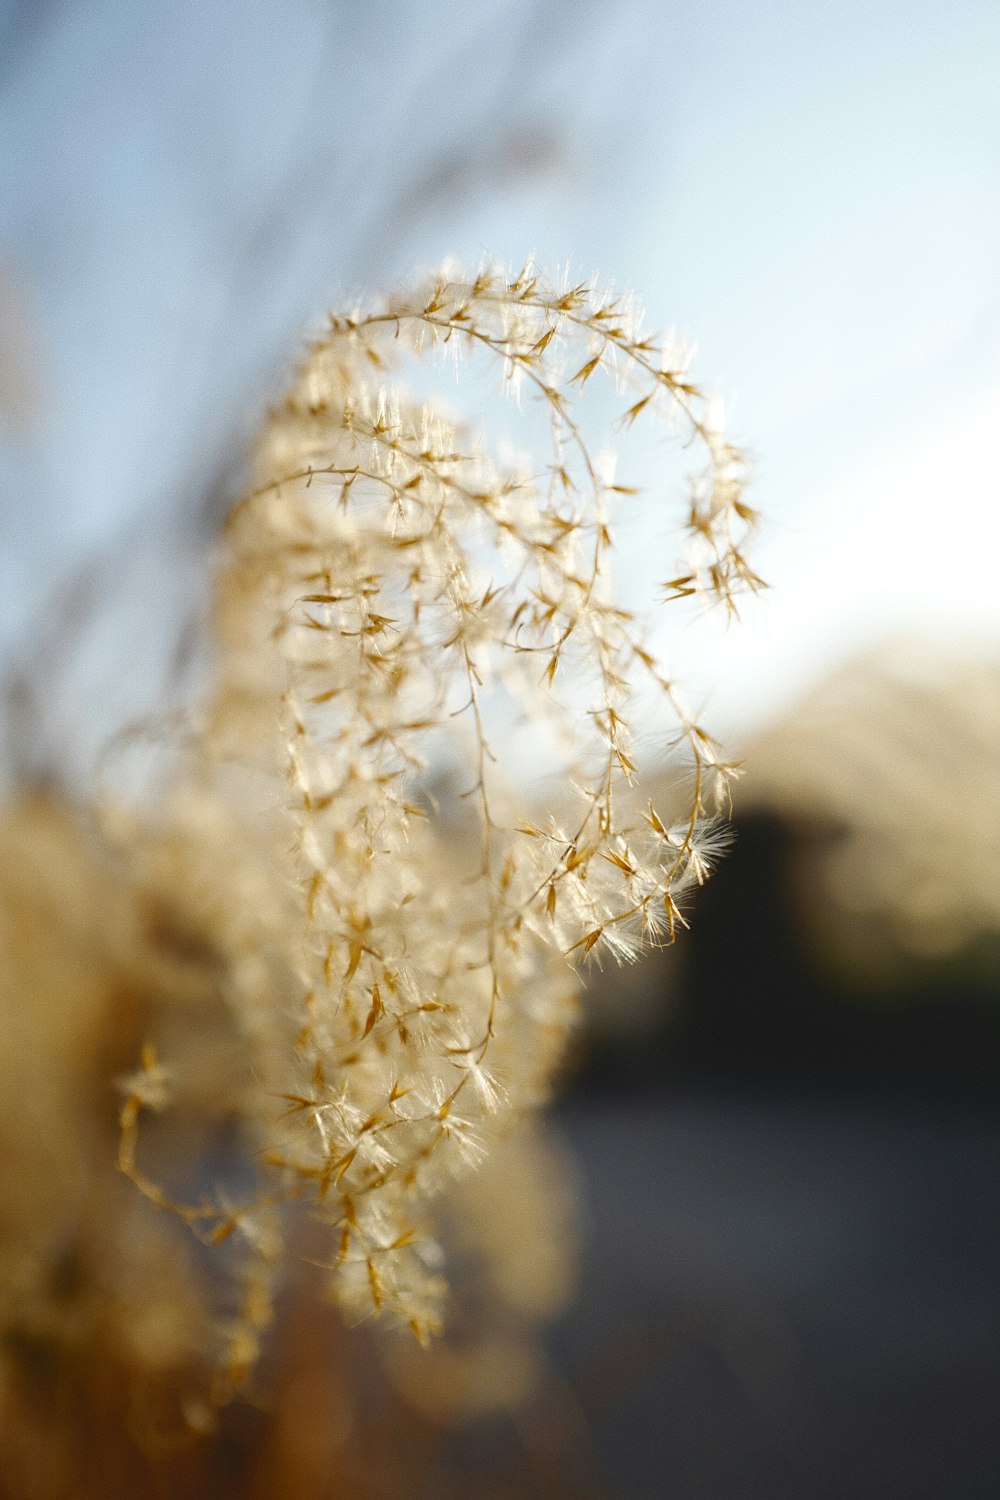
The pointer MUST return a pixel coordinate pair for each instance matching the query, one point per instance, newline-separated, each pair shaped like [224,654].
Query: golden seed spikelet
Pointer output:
[398,959]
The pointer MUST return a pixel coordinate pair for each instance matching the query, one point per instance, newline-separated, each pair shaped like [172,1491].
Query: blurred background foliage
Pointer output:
[785,1130]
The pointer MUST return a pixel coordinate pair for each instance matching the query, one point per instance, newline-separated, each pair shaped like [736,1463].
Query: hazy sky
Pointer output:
[810,193]
[813,195]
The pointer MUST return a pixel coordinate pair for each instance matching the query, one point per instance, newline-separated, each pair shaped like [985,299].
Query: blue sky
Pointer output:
[811,194]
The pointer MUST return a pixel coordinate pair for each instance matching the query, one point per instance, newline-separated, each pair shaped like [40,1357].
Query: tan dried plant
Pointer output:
[398,950]
[893,756]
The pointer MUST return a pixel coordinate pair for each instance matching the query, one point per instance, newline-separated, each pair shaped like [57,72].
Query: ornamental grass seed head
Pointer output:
[396,952]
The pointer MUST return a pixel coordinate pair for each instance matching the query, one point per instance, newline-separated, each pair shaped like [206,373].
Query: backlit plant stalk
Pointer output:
[401,985]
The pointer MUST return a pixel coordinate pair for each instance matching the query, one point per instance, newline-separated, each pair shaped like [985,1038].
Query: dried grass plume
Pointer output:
[395,947]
